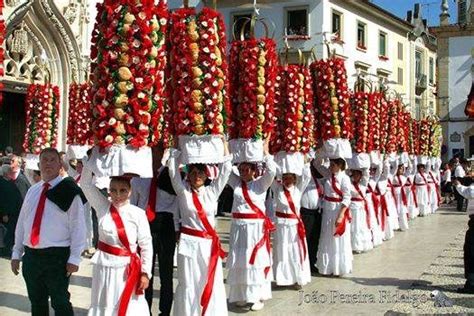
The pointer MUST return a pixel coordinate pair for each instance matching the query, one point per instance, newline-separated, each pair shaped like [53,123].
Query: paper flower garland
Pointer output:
[294,110]
[199,101]
[403,130]
[80,114]
[423,144]
[436,138]
[42,112]
[333,98]
[384,124]
[415,130]
[391,145]
[129,55]
[360,110]
[253,71]
[374,122]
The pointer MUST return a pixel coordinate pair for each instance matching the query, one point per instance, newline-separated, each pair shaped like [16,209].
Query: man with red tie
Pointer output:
[49,237]
[158,198]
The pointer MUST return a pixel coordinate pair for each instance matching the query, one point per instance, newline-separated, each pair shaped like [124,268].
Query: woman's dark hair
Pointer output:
[121,179]
[253,166]
[199,166]
[340,162]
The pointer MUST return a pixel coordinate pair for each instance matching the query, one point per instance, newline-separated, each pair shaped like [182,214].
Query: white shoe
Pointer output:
[257,306]
[241,304]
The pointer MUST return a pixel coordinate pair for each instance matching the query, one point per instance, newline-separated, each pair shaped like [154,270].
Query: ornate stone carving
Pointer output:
[70,12]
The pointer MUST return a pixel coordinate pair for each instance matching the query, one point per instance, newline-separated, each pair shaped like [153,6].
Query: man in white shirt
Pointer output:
[157,197]
[49,237]
[459,174]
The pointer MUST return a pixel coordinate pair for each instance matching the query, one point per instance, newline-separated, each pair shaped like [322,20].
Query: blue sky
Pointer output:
[430,9]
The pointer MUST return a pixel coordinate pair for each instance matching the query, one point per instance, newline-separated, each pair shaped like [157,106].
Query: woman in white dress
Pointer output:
[422,191]
[249,261]
[401,203]
[387,208]
[373,203]
[335,251]
[393,221]
[120,275]
[361,236]
[200,289]
[290,257]
[410,189]
[433,178]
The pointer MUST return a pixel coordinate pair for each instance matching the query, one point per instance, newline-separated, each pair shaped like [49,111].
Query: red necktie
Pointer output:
[151,205]
[35,230]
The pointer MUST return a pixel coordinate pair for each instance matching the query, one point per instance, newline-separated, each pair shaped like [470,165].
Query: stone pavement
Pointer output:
[395,278]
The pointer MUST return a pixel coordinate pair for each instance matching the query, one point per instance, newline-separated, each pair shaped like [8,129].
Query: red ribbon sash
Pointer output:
[268,227]
[366,206]
[413,191]
[151,204]
[402,191]
[383,208]
[216,252]
[375,202]
[134,267]
[341,228]
[426,182]
[438,194]
[300,227]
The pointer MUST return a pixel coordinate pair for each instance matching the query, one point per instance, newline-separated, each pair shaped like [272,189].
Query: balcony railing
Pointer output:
[421,82]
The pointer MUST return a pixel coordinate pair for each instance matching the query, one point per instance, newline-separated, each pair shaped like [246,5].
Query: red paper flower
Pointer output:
[128,72]
[424,138]
[200,102]
[253,70]
[80,114]
[374,142]
[360,110]
[42,112]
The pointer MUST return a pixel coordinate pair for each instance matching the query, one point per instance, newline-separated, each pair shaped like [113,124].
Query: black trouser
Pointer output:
[469,254]
[459,201]
[44,271]
[10,235]
[312,224]
[164,244]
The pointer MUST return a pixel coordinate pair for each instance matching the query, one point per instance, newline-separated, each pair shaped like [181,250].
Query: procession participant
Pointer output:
[290,250]
[361,236]
[400,198]
[200,289]
[249,261]
[119,273]
[386,202]
[311,215]
[16,175]
[49,237]
[434,184]
[334,255]
[390,197]
[468,193]
[373,203]
[157,197]
[422,189]
[446,184]
[410,189]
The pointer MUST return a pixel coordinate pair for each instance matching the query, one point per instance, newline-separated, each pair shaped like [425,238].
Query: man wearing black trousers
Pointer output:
[311,216]
[50,237]
[459,174]
[157,197]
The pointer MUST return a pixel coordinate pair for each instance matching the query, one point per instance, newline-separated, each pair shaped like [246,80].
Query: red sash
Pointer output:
[341,228]
[268,227]
[426,183]
[301,230]
[151,205]
[402,191]
[375,202]
[134,267]
[392,190]
[438,194]
[383,208]
[366,206]
[413,191]
[216,251]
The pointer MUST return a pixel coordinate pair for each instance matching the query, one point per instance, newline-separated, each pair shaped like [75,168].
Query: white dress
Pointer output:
[433,182]
[288,267]
[398,183]
[410,190]
[247,282]
[109,273]
[194,253]
[376,230]
[334,253]
[422,195]
[389,217]
[361,236]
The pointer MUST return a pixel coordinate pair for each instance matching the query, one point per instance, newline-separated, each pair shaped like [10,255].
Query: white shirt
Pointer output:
[311,199]
[257,189]
[135,223]
[208,195]
[58,228]
[467,193]
[459,172]
[165,202]
[447,175]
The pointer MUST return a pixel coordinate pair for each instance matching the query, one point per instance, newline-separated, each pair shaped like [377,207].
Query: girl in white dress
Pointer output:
[401,203]
[249,261]
[390,196]
[200,289]
[410,189]
[119,274]
[422,191]
[434,184]
[361,236]
[290,257]
[335,252]
[373,203]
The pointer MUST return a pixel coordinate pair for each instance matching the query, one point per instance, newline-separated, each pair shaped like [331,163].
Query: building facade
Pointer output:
[456,77]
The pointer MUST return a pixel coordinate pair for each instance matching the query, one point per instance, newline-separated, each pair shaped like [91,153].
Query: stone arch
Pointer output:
[48,31]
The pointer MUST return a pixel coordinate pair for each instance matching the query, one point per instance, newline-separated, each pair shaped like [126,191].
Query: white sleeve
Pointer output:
[466,192]
[266,180]
[346,191]
[96,199]
[385,172]
[364,181]
[18,247]
[304,180]
[225,169]
[234,180]
[145,243]
[318,164]
[77,227]
[175,175]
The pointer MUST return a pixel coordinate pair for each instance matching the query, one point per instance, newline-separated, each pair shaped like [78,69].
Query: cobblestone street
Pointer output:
[395,278]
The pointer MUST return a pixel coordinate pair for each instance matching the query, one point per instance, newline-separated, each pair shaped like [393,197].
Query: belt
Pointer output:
[46,251]
[286,215]
[356,199]
[332,199]
[247,216]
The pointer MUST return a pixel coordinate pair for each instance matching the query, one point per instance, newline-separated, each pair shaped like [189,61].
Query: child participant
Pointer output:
[422,189]
[373,203]
[410,189]
[401,203]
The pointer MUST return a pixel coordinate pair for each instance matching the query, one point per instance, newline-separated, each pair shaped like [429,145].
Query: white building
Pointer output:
[456,76]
